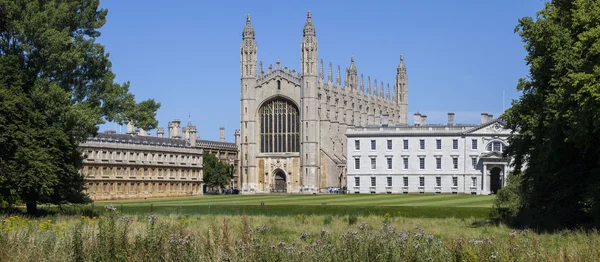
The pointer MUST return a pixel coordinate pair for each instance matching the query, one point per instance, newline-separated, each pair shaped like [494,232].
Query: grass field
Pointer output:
[430,205]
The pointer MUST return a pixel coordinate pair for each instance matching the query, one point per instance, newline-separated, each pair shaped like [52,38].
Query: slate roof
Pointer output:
[144,140]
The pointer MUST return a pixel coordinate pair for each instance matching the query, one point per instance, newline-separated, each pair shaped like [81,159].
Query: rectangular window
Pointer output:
[455,144]
[357,163]
[421,181]
[405,160]
[357,144]
[438,163]
[405,181]
[455,162]
[356,181]
[389,163]
[405,144]
[373,163]
[438,181]
[474,162]
[421,163]
[373,145]
[373,181]
[474,144]
[455,181]
[389,181]
[438,144]
[422,144]
[389,144]
[473,181]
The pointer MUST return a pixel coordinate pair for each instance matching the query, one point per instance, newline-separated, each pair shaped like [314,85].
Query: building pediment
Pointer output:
[494,128]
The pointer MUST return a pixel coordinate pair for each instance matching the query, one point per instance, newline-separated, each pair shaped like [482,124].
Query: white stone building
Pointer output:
[293,122]
[422,158]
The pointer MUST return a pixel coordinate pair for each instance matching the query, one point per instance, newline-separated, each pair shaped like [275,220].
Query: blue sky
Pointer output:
[460,55]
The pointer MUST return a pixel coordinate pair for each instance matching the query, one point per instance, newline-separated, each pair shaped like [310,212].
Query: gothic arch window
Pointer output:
[495,146]
[279,127]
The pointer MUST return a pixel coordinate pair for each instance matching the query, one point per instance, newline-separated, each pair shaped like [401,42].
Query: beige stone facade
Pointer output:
[135,165]
[293,122]
[122,166]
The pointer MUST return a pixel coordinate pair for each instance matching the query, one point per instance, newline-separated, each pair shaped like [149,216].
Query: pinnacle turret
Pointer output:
[338,78]
[248,30]
[309,28]
[330,75]
[362,84]
[321,73]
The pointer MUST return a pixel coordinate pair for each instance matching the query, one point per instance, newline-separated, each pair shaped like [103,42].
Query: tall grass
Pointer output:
[119,237]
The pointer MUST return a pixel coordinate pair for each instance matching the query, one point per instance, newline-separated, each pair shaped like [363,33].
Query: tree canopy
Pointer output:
[556,148]
[56,88]
[215,172]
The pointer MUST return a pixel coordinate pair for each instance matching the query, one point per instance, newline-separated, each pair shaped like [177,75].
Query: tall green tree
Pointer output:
[215,172]
[557,147]
[56,87]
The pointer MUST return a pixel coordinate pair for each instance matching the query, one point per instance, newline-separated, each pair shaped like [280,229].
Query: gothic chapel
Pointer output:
[293,124]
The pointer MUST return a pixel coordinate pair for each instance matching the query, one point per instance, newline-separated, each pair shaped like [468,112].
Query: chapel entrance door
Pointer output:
[280,182]
[495,180]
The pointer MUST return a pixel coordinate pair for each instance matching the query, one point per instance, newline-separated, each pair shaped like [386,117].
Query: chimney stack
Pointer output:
[484,118]
[142,132]
[385,120]
[222,134]
[450,119]
[160,132]
[130,128]
[423,120]
[417,119]
[490,117]
[191,133]
[174,129]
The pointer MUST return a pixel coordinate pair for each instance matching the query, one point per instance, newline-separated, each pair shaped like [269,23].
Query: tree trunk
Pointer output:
[31,208]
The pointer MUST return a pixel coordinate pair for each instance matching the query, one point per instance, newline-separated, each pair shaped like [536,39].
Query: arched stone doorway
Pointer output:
[280,182]
[495,183]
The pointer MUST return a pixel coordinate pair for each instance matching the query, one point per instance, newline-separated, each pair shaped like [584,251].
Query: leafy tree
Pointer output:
[56,87]
[215,172]
[558,116]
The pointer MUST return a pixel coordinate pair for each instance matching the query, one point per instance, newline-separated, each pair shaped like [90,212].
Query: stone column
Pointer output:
[483,178]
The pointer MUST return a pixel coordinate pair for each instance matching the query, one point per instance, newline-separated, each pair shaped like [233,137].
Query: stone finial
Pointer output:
[248,19]
[262,72]
[401,66]
[309,16]
[330,74]
[382,93]
[375,89]
[368,85]
[338,78]
[362,84]
[321,73]
[387,96]
[277,64]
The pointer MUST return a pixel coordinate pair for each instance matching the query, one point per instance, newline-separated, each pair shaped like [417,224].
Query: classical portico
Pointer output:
[495,172]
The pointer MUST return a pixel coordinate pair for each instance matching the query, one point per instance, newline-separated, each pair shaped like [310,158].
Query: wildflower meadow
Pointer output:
[114,236]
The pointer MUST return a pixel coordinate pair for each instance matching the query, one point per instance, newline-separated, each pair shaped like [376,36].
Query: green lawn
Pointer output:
[429,205]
